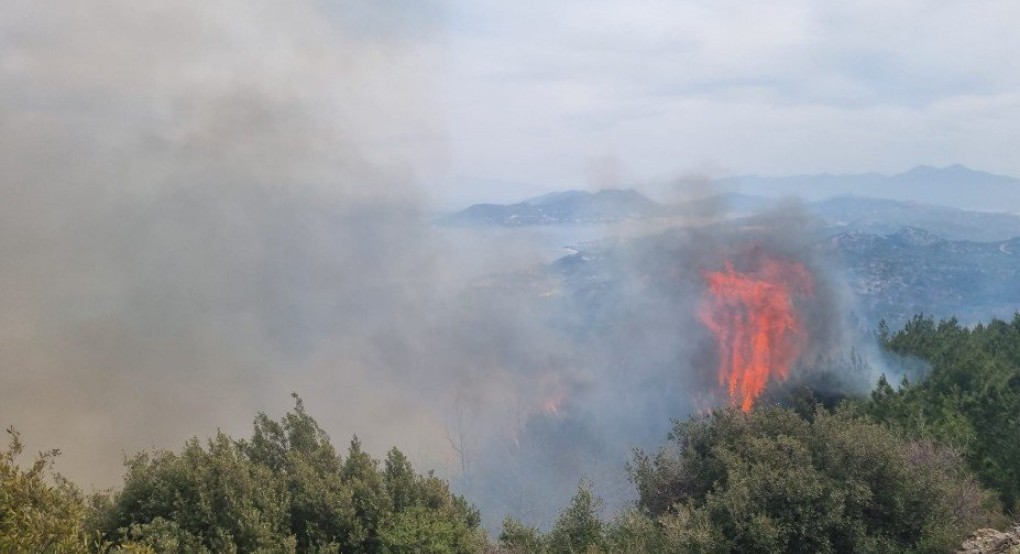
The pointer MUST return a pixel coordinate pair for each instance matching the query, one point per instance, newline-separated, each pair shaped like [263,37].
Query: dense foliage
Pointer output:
[36,515]
[285,490]
[892,473]
[773,481]
[970,400]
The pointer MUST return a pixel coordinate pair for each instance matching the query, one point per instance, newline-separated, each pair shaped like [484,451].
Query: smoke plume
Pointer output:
[196,219]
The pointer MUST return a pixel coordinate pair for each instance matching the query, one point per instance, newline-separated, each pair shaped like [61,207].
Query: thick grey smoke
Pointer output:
[204,206]
[207,205]
[642,357]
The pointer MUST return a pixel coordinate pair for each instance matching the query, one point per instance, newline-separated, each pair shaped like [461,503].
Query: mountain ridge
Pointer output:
[956,186]
[559,208]
[840,213]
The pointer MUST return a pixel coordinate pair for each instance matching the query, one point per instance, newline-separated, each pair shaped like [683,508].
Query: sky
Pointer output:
[537,96]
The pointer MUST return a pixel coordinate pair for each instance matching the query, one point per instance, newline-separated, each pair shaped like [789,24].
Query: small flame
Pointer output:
[756,326]
[553,405]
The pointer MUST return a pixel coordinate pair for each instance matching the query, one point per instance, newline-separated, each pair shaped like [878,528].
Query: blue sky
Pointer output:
[540,95]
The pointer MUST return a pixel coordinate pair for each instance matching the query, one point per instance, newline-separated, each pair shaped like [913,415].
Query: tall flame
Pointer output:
[756,325]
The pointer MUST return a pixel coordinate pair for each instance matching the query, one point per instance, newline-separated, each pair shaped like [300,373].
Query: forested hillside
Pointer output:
[774,481]
[970,400]
[915,467]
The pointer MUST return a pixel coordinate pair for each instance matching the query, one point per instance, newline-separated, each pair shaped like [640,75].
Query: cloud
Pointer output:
[543,89]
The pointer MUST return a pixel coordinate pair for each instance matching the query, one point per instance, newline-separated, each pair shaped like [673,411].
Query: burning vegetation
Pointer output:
[753,316]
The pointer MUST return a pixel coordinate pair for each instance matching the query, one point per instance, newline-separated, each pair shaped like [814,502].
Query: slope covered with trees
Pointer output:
[773,481]
[970,400]
[912,468]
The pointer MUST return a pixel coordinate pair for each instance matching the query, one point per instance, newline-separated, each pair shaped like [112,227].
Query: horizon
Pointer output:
[576,95]
[711,186]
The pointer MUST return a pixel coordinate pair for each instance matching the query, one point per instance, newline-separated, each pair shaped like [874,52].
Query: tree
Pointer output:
[969,400]
[770,481]
[37,516]
[519,538]
[283,490]
[579,528]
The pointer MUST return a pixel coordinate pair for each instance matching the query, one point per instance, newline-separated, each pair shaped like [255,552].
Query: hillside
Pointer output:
[898,275]
[559,208]
[849,213]
[869,203]
[893,276]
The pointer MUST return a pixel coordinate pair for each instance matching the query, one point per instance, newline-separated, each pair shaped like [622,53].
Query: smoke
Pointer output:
[196,219]
[206,206]
[639,357]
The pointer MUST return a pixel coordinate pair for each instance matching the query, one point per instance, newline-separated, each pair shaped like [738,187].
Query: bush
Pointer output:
[284,490]
[771,481]
[578,529]
[775,481]
[35,515]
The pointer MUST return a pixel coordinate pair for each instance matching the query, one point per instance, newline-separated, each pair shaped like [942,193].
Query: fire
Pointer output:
[553,406]
[756,325]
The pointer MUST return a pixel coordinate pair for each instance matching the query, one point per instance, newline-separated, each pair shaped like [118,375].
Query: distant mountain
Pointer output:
[953,186]
[842,214]
[558,208]
[849,213]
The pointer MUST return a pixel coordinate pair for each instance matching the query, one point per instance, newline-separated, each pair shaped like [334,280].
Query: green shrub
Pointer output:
[37,515]
[284,490]
[771,481]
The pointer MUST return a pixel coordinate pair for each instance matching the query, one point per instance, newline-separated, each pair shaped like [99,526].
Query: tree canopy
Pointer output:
[285,490]
[913,468]
[970,400]
[773,481]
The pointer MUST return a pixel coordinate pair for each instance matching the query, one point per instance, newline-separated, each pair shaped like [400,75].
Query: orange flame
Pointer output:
[756,326]
[553,405]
